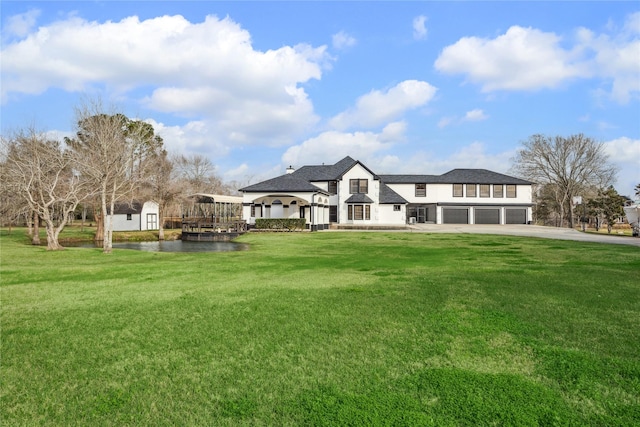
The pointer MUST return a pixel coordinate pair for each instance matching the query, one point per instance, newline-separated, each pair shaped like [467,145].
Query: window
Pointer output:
[396,208]
[358,212]
[333,214]
[457,190]
[358,186]
[129,217]
[421,190]
[333,187]
[497,190]
[485,190]
[511,191]
[471,190]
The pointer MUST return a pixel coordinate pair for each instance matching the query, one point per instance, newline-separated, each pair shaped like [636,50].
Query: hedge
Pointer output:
[289,224]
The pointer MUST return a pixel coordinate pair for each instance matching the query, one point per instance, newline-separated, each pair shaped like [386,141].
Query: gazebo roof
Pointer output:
[216,198]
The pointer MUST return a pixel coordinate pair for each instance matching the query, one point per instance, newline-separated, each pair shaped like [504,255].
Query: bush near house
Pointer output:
[289,224]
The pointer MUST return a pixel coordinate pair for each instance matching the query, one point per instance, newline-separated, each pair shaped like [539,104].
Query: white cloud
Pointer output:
[20,25]
[529,59]
[446,121]
[616,59]
[208,71]
[472,156]
[332,146]
[520,59]
[342,40]
[193,137]
[419,27]
[377,107]
[475,115]
[624,150]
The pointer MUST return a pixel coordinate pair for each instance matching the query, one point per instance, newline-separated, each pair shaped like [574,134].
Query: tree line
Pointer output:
[112,159]
[573,180]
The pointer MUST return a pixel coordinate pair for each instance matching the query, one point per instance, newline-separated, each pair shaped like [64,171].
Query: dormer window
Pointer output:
[358,186]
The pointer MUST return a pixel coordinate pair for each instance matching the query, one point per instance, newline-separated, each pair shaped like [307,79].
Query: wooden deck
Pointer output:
[211,230]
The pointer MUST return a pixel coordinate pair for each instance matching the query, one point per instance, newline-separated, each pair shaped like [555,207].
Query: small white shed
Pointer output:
[136,216]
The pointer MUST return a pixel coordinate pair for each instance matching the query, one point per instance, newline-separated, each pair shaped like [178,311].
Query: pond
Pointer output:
[171,246]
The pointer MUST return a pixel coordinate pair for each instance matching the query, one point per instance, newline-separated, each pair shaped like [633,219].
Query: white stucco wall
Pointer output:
[443,193]
[388,216]
[358,172]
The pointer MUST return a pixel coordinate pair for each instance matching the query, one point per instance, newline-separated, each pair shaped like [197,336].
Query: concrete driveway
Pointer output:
[526,230]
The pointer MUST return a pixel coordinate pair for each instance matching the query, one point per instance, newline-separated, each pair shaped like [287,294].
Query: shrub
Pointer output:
[289,224]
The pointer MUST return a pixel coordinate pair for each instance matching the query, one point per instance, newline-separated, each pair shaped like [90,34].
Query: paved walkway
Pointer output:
[527,230]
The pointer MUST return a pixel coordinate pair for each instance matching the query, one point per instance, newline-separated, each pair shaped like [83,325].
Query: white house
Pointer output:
[136,216]
[350,193]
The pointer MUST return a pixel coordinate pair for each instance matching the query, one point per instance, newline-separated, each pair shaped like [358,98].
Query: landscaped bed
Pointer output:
[323,329]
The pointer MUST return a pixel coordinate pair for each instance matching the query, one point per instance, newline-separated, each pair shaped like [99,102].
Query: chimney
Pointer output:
[290,170]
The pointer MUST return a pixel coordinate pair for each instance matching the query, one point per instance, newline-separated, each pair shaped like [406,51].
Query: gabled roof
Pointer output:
[283,184]
[456,176]
[390,197]
[301,179]
[334,172]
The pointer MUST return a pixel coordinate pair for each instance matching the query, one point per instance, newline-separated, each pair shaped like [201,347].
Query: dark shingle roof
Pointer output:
[456,176]
[480,176]
[301,179]
[359,198]
[325,172]
[284,183]
[409,179]
[389,197]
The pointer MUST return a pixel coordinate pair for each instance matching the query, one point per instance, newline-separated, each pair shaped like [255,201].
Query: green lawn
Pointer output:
[323,329]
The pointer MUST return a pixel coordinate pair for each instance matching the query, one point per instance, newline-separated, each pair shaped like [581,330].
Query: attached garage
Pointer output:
[455,215]
[515,216]
[487,216]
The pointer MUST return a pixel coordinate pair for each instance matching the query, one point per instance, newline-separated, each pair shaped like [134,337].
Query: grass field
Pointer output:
[323,329]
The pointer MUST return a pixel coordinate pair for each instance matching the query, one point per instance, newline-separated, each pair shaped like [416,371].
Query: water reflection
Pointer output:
[174,246]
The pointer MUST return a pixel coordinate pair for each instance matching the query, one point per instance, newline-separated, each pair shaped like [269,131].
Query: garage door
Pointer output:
[516,216]
[487,216]
[455,216]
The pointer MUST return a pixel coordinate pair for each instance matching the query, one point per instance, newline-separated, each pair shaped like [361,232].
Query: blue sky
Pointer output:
[405,87]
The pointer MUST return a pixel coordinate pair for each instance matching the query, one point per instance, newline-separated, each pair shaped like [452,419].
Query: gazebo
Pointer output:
[211,215]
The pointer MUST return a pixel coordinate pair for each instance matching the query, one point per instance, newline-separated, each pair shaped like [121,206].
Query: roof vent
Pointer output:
[290,169]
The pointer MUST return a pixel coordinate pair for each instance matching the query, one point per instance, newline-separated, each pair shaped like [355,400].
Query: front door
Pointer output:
[152,221]
[422,215]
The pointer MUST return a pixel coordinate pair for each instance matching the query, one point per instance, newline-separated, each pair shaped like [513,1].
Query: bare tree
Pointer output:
[570,165]
[42,173]
[106,156]
[198,174]
[161,184]
[12,206]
